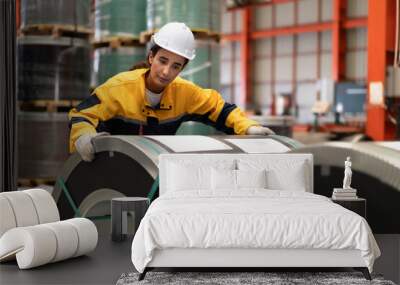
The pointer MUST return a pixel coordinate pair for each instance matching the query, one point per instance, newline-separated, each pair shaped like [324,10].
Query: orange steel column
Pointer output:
[273,61]
[294,58]
[18,13]
[319,47]
[381,16]
[338,40]
[246,55]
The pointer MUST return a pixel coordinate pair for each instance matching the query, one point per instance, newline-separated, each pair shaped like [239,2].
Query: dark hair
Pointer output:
[145,63]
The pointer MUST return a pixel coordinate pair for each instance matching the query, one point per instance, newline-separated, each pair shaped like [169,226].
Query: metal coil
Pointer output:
[42,144]
[55,12]
[204,69]
[53,68]
[128,165]
[198,15]
[197,128]
[110,61]
[120,18]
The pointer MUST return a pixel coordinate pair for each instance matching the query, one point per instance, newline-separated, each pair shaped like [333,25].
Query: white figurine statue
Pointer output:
[347,174]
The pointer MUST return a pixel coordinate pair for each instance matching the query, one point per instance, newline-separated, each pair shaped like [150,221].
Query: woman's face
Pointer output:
[165,66]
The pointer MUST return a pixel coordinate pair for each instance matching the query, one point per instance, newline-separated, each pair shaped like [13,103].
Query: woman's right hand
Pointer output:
[85,147]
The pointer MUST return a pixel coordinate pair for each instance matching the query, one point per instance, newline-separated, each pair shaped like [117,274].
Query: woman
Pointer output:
[154,100]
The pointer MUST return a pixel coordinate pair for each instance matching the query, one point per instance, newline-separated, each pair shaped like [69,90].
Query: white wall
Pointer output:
[357,8]
[356,56]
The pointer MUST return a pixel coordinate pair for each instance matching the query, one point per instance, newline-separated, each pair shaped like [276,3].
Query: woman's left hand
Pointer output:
[258,130]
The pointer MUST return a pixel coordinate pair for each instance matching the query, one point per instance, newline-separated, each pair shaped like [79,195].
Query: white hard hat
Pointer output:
[177,38]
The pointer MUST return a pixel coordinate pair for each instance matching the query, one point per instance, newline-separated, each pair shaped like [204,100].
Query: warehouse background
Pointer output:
[293,56]
[299,67]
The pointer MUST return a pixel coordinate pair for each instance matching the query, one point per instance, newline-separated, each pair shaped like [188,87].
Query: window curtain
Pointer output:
[8,99]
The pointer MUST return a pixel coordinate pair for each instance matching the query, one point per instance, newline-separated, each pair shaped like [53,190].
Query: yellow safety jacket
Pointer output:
[119,106]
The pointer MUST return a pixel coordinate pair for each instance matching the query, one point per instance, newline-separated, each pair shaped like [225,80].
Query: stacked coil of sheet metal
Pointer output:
[118,25]
[42,144]
[197,15]
[59,12]
[204,69]
[125,18]
[53,68]
[110,61]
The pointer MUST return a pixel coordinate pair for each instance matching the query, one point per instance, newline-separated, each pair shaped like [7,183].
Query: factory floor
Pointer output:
[102,266]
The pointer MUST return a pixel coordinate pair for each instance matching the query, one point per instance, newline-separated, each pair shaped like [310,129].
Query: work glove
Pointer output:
[259,130]
[85,147]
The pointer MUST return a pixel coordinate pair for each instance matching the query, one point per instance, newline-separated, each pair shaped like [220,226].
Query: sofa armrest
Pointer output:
[41,244]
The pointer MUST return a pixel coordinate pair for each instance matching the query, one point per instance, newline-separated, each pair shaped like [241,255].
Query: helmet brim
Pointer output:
[154,40]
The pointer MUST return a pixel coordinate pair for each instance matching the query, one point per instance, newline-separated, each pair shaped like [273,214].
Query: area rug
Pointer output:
[269,278]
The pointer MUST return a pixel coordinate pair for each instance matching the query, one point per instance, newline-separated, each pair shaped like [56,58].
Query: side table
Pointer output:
[119,210]
[357,205]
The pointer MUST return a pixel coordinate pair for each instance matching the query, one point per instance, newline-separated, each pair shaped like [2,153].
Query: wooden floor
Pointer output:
[103,266]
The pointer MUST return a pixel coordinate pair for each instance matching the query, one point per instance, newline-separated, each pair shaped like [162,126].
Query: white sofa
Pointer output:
[197,191]
[31,231]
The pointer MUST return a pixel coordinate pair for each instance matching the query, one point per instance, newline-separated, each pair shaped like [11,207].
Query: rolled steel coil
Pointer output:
[110,61]
[197,15]
[42,144]
[55,12]
[53,68]
[128,165]
[124,18]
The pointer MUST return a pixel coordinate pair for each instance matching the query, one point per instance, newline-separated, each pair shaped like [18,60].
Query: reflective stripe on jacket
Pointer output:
[119,106]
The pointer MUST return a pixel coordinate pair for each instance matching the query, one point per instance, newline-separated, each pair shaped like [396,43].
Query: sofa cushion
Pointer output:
[40,244]
[26,208]
[45,205]
[7,218]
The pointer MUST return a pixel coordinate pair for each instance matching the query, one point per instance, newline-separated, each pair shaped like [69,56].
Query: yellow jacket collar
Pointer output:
[166,99]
